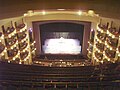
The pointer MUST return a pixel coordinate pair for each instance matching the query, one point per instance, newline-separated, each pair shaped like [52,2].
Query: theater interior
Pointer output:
[59,45]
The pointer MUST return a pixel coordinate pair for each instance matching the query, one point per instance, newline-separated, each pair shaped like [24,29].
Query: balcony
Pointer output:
[10,41]
[19,26]
[112,42]
[119,48]
[21,36]
[103,27]
[99,56]
[0,34]
[114,31]
[8,30]
[12,53]
[110,53]
[100,46]
[22,45]
[101,36]
[2,47]
[23,55]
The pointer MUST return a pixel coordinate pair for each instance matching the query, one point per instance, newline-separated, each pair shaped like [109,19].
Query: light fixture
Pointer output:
[20,63]
[79,12]
[111,48]
[92,30]
[43,12]
[113,36]
[25,14]
[61,9]
[108,59]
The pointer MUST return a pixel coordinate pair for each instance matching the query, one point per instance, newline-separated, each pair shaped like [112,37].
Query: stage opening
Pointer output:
[61,38]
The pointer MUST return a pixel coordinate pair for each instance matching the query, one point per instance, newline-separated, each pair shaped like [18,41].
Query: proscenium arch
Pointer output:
[89,23]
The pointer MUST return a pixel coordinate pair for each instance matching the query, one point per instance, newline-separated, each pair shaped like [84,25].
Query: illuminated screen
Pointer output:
[62,46]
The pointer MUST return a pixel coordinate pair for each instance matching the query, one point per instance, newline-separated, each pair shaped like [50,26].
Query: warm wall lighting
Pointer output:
[43,12]
[79,12]
[25,14]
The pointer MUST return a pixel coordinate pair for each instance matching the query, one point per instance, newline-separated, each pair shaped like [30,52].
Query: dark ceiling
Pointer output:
[106,8]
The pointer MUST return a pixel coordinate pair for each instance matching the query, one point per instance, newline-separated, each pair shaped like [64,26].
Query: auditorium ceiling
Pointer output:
[105,8]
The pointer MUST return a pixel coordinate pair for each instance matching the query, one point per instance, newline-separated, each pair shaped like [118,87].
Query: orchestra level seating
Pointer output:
[31,77]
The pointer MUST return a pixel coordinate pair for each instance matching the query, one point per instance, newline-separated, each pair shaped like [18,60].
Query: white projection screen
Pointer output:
[61,46]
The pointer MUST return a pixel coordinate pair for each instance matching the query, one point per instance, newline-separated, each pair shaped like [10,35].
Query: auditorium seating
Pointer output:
[25,77]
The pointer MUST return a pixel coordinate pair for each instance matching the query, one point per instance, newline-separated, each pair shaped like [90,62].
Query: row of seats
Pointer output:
[11,74]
